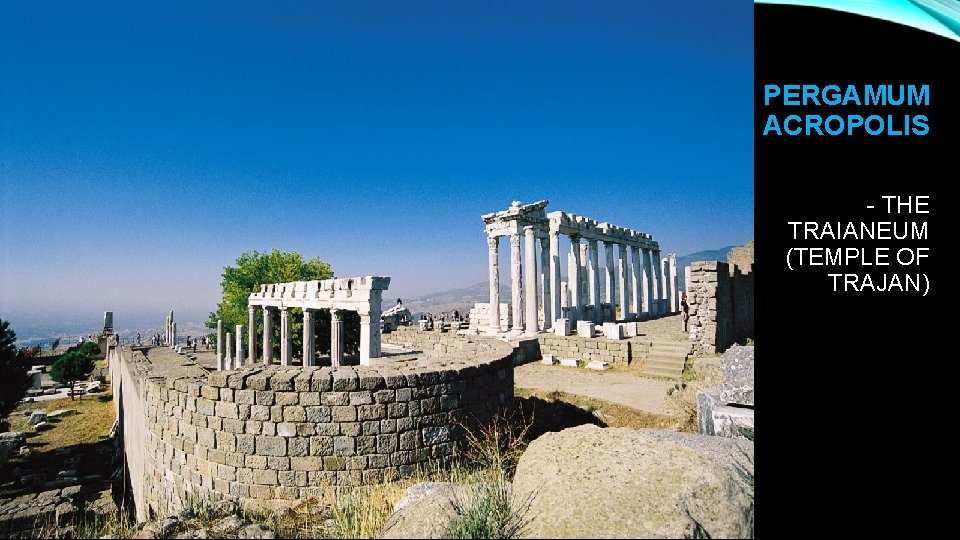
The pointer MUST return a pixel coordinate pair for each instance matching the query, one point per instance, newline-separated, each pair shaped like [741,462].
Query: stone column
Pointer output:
[516,287]
[647,281]
[220,346]
[556,299]
[267,336]
[608,250]
[228,359]
[548,291]
[252,334]
[595,279]
[238,359]
[624,289]
[574,278]
[584,287]
[336,337]
[370,337]
[674,284]
[636,281]
[309,346]
[658,279]
[174,346]
[286,346]
[493,243]
[530,280]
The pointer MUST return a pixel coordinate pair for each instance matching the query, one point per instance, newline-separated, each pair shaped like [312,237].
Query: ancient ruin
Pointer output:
[360,294]
[635,280]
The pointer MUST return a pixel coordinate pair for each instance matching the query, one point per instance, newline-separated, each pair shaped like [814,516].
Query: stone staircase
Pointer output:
[666,359]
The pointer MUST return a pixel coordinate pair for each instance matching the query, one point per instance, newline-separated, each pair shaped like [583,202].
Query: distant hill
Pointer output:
[707,255]
[452,299]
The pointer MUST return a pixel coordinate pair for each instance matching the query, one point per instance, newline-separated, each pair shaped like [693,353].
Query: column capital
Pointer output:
[493,242]
[515,240]
[528,230]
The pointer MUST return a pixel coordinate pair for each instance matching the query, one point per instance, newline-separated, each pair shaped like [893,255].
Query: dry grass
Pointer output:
[94,417]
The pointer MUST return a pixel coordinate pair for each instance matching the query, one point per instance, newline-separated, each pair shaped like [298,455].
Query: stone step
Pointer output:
[669,364]
[667,358]
[678,347]
[661,372]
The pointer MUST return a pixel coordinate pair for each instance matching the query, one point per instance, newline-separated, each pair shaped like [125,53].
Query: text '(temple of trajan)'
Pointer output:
[635,281]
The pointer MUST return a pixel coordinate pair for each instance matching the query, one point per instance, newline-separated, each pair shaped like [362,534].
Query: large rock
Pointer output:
[38,416]
[737,365]
[591,482]
[716,418]
[426,509]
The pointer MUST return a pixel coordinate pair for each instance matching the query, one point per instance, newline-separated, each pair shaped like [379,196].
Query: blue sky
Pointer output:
[145,145]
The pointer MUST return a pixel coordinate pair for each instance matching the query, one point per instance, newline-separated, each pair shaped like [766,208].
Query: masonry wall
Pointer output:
[721,306]
[623,352]
[266,436]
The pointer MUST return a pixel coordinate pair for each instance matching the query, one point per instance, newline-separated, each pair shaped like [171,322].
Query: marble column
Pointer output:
[238,360]
[636,281]
[286,346]
[493,244]
[658,280]
[336,337]
[174,346]
[530,280]
[624,289]
[252,334]
[584,288]
[574,278]
[594,268]
[548,290]
[370,337]
[674,284]
[647,304]
[309,345]
[516,286]
[220,346]
[608,251]
[228,359]
[557,297]
[267,336]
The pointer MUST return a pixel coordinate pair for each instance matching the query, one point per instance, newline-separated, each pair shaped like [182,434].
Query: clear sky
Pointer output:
[145,145]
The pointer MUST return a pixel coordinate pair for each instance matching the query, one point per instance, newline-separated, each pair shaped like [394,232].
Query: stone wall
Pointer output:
[269,435]
[623,352]
[721,306]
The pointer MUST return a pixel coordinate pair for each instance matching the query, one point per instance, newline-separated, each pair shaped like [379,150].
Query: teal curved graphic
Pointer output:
[941,17]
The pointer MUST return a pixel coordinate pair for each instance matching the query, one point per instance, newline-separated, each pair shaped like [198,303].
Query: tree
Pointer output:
[254,269]
[13,370]
[72,366]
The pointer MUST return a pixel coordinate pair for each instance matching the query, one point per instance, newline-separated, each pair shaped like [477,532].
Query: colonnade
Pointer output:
[633,277]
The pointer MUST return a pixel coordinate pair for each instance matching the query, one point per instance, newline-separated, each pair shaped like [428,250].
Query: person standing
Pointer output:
[684,312]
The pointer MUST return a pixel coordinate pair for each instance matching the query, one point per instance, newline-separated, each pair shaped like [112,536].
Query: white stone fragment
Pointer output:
[570,362]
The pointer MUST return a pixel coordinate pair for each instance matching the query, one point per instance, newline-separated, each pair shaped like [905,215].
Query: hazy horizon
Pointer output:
[146,146]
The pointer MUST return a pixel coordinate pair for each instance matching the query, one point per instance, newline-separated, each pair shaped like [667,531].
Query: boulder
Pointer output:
[737,366]
[716,418]
[426,509]
[38,416]
[591,482]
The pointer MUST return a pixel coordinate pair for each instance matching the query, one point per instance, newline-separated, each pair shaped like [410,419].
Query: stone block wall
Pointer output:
[269,435]
[721,306]
[621,352]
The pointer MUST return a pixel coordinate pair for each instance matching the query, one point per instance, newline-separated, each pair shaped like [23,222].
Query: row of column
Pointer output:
[629,279]
[369,338]
[170,332]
